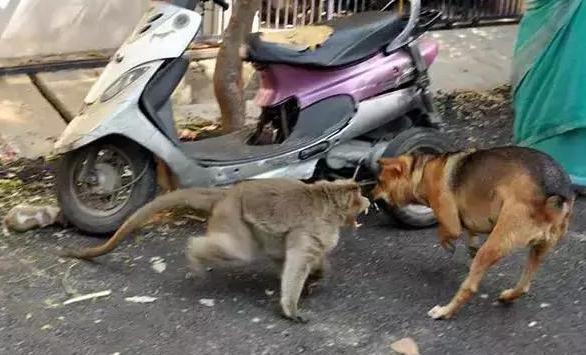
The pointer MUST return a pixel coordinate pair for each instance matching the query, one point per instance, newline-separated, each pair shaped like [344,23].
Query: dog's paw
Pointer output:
[439,312]
[509,295]
[448,246]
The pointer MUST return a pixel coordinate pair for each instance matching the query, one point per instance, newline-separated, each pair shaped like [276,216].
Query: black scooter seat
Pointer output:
[355,38]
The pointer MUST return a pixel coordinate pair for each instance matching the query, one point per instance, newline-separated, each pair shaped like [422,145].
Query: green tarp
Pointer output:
[549,82]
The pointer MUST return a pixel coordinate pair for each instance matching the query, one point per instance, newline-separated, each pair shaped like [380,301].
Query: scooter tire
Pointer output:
[413,139]
[143,190]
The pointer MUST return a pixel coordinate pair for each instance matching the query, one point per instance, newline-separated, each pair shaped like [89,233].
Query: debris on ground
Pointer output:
[196,129]
[23,217]
[470,114]
[25,181]
[158,264]
[89,296]
[141,299]
[208,302]
[405,346]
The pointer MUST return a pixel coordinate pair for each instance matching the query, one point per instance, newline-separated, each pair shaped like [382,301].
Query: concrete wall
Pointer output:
[40,27]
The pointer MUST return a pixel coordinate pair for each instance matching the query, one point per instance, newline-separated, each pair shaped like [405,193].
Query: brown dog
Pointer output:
[520,196]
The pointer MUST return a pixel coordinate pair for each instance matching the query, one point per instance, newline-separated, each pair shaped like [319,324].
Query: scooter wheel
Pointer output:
[120,180]
[418,139]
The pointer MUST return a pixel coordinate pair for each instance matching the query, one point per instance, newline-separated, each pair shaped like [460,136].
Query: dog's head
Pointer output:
[395,180]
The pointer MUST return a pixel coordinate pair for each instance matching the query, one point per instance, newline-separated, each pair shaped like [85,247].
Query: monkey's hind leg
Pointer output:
[303,256]
[215,250]
[317,276]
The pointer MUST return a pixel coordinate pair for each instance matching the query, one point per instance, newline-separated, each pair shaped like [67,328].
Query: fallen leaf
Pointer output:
[209,302]
[141,299]
[405,346]
[187,135]
[88,296]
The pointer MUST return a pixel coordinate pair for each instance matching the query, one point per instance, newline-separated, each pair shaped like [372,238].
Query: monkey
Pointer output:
[293,223]
[22,218]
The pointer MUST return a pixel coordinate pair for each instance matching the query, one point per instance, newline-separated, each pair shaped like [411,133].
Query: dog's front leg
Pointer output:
[450,228]
[487,255]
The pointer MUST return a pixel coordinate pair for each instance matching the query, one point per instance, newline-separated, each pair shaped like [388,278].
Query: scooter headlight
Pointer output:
[122,82]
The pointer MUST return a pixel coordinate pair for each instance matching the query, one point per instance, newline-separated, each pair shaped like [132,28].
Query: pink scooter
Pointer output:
[326,113]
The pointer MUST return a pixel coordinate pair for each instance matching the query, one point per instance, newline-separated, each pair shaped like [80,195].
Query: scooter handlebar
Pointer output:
[191,4]
[221,3]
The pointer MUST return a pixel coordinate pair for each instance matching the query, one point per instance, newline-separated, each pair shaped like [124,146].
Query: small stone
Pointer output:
[544,305]
[532,324]
[28,316]
[270,326]
[208,302]
[255,320]
[405,346]
[141,299]
[47,327]
[269,292]
[98,321]
[484,296]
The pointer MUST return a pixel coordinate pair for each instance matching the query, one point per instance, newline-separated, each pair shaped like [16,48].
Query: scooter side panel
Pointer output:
[165,37]
[363,80]
[121,116]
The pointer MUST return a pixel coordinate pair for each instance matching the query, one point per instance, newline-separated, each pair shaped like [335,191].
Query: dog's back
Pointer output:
[489,168]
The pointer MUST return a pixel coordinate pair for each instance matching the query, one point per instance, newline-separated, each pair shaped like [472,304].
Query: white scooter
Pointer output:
[361,95]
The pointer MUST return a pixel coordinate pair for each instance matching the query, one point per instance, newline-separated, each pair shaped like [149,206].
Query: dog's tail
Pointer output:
[201,199]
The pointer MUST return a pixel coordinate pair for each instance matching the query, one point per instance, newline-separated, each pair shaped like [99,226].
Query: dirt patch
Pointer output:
[477,119]
[26,181]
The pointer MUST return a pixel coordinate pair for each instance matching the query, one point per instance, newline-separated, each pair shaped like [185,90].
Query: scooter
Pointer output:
[331,112]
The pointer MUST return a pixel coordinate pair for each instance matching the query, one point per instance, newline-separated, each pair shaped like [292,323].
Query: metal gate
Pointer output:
[280,14]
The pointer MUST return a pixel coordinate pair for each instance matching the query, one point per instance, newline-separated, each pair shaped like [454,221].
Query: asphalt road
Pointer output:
[384,280]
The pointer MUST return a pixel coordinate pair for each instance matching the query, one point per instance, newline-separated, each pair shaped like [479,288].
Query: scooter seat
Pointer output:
[354,38]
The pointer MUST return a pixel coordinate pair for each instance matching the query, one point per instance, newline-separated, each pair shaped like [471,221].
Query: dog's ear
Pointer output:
[396,166]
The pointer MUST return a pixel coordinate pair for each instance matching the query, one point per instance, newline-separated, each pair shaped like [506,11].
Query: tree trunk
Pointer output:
[228,83]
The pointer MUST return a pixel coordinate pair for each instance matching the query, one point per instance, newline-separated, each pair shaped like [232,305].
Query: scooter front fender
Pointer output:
[122,116]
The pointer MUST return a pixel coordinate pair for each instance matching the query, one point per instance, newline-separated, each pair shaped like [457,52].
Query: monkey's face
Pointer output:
[394,184]
[358,204]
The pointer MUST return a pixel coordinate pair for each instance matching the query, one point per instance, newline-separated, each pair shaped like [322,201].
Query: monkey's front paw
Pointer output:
[439,312]
[297,318]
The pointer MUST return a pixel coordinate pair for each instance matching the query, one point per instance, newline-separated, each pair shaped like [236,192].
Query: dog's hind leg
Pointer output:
[550,235]
[536,254]
[500,242]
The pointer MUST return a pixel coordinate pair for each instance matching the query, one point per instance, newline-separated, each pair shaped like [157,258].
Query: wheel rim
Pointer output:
[107,188]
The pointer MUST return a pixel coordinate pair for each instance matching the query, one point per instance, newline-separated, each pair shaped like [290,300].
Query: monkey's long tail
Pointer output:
[201,199]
